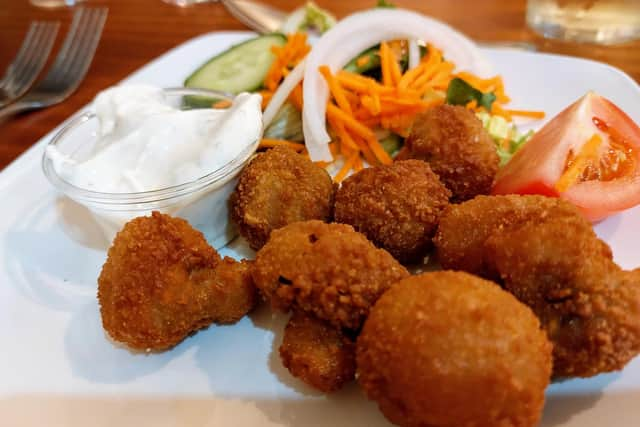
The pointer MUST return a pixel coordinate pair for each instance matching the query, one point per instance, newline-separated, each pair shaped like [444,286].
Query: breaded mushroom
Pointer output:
[464,228]
[448,349]
[328,270]
[396,206]
[277,188]
[230,284]
[162,281]
[317,353]
[458,149]
[589,307]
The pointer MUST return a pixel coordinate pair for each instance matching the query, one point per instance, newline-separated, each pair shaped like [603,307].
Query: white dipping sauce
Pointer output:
[140,142]
[145,144]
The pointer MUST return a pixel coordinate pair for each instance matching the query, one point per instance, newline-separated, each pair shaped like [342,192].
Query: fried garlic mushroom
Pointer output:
[448,349]
[162,281]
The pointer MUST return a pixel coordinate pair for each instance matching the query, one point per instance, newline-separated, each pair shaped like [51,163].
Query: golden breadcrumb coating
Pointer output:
[317,353]
[458,149]
[589,307]
[448,349]
[329,270]
[464,228]
[231,286]
[277,188]
[162,281]
[396,206]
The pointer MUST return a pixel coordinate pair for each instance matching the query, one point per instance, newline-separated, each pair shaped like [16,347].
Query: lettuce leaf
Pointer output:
[460,92]
[506,136]
[308,18]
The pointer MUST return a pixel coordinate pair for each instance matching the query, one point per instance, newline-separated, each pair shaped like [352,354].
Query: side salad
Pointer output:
[349,98]
[372,98]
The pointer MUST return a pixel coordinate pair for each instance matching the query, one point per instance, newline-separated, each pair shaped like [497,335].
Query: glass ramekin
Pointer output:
[203,202]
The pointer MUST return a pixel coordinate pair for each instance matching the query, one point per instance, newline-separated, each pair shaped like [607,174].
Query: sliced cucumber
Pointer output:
[193,102]
[241,68]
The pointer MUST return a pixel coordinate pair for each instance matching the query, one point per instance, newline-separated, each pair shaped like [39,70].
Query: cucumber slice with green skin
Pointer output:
[192,102]
[241,68]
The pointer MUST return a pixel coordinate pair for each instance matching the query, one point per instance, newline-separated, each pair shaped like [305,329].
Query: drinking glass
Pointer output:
[592,21]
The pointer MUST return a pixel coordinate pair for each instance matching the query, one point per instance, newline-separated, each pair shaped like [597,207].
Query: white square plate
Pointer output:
[58,368]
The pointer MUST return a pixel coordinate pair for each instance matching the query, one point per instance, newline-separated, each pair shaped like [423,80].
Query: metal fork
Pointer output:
[70,66]
[29,61]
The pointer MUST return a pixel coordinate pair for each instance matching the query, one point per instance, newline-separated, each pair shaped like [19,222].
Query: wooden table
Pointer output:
[139,30]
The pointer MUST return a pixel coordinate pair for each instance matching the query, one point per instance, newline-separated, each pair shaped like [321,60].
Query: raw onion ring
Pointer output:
[358,32]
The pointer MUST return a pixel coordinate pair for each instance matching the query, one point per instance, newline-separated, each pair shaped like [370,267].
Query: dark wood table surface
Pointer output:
[139,30]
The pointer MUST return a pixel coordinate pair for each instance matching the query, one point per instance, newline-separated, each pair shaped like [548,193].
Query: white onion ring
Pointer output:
[282,93]
[358,32]
[414,54]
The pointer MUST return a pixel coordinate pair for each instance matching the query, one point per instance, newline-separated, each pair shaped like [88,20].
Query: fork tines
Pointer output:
[77,51]
[69,67]
[29,60]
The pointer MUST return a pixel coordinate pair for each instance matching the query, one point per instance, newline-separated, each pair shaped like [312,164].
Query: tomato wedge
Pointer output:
[589,154]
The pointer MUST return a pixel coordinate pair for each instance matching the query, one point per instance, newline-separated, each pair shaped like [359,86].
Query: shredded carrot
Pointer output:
[525,113]
[437,70]
[379,152]
[472,105]
[385,64]
[363,61]
[366,152]
[320,164]
[343,135]
[499,111]
[336,89]
[359,104]
[360,83]
[296,97]
[269,143]
[484,85]
[588,153]
[349,122]
[432,57]
[358,166]
[410,76]
[223,103]
[496,85]
[348,164]
[286,58]
[391,104]
[394,68]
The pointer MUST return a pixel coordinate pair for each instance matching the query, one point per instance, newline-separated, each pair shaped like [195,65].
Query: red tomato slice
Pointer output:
[611,181]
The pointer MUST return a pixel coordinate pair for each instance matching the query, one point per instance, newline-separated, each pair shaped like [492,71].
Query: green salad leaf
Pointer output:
[359,65]
[460,92]
[506,153]
[392,143]
[308,18]
[506,136]
[287,124]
